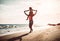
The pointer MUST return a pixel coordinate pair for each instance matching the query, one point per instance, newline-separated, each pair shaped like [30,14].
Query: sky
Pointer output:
[12,11]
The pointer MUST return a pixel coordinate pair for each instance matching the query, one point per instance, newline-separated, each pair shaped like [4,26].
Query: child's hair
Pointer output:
[30,8]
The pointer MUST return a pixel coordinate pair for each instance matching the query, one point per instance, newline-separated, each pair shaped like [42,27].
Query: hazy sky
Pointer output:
[12,11]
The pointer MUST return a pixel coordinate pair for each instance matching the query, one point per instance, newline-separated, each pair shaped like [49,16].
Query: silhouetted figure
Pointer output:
[30,17]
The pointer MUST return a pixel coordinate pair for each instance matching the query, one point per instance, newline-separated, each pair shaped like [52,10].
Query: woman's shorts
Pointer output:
[30,22]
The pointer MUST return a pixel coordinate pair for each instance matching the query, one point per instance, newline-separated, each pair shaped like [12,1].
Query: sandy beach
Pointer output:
[47,34]
[51,34]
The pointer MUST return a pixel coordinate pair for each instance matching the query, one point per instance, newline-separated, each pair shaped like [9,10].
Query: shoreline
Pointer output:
[36,35]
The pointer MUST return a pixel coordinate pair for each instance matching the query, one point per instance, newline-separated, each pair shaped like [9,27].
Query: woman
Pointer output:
[30,17]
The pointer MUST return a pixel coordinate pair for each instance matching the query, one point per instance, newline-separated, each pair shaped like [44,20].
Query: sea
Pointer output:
[7,28]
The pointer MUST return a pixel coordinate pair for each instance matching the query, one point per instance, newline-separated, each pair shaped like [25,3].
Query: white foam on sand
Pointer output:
[24,29]
[14,30]
[42,28]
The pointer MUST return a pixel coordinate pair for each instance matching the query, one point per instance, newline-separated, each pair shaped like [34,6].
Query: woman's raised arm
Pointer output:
[35,12]
[25,12]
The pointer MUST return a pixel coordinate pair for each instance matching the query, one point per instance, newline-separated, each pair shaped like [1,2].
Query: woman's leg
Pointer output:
[30,25]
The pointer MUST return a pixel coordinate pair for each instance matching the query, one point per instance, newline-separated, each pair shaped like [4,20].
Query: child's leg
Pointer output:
[27,18]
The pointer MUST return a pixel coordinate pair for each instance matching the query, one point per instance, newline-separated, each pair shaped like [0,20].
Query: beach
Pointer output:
[45,33]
